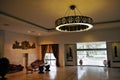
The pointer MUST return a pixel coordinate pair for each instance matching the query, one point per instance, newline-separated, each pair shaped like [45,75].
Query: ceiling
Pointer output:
[37,17]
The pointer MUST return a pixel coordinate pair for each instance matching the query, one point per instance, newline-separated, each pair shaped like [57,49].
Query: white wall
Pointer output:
[110,35]
[16,56]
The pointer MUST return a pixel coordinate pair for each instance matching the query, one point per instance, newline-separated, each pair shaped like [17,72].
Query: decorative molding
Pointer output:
[23,20]
[51,29]
[23,45]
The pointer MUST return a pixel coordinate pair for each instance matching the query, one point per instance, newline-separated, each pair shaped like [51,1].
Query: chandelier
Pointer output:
[75,23]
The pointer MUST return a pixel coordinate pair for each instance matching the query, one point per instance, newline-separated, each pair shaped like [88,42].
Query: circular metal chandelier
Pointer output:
[74,23]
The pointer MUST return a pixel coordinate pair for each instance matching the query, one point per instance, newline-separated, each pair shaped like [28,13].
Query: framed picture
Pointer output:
[116,52]
[70,54]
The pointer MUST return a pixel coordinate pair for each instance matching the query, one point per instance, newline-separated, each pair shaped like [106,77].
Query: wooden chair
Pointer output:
[29,69]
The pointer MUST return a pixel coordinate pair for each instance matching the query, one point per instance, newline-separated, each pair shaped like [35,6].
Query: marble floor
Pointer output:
[70,73]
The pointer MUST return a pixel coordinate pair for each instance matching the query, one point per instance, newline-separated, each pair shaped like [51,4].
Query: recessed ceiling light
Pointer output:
[39,34]
[29,31]
[6,24]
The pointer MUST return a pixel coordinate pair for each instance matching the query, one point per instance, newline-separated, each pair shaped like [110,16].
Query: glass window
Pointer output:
[91,53]
[91,45]
[50,59]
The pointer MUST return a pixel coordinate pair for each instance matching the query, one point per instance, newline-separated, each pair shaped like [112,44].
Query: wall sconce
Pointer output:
[23,45]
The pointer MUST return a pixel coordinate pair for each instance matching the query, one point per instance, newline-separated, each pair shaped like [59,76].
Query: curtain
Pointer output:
[49,49]
[43,51]
[55,49]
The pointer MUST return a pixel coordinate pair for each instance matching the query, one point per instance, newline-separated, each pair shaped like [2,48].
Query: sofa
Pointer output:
[15,68]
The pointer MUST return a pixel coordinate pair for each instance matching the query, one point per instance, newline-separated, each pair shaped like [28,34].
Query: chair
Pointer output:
[35,65]
[29,69]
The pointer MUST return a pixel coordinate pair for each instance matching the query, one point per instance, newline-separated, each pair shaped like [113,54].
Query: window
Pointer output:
[91,45]
[50,59]
[92,53]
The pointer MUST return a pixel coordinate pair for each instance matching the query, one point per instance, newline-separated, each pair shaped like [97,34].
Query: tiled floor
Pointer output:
[70,73]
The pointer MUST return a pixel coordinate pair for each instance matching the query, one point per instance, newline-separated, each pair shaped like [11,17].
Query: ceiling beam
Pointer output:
[23,20]
[106,22]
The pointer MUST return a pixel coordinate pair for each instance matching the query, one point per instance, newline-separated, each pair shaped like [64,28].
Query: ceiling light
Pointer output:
[74,23]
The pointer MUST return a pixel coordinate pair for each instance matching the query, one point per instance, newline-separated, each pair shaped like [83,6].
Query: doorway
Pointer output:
[92,53]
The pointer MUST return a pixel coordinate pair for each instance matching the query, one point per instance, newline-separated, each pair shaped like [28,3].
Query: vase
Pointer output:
[81,62]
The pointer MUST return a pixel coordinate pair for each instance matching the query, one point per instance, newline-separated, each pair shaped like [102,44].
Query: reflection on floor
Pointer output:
[70,73]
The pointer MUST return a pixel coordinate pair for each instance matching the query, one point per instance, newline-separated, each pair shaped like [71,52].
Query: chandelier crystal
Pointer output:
[74,23]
